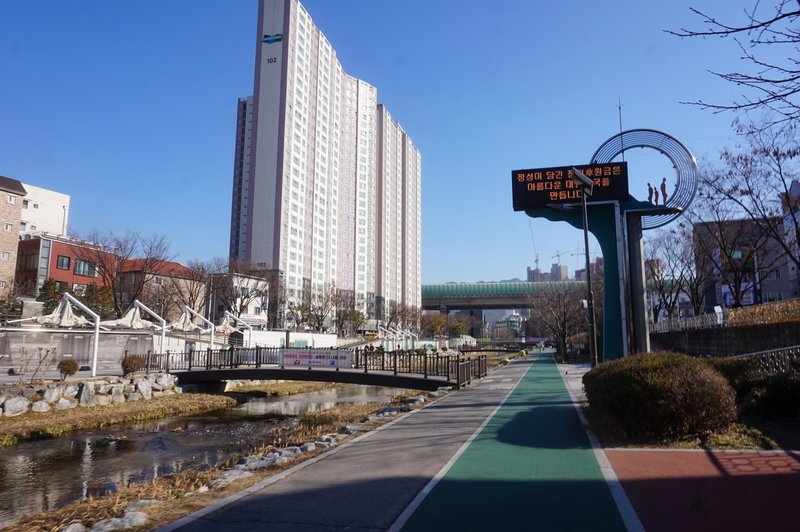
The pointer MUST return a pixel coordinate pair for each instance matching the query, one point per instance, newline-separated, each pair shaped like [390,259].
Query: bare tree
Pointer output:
[698,278]
[664,270]
[237,291]
[737,250]
[112,260]
[773,83]
[322,304]
[760,181]
[558,306]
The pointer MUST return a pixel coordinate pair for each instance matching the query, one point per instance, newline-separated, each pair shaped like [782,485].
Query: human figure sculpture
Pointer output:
[656,194]
[649,193]
[664,190]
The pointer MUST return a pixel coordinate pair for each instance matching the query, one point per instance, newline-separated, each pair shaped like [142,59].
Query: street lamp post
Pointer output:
[585,184]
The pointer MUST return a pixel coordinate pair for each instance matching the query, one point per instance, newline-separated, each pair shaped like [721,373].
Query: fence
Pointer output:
[765,313]
[455,369]
[775,361]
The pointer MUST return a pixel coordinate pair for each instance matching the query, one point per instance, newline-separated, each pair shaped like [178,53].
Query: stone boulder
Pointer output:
[86,394]
[144,388]
[125,521]
[15,406]
[117,395]
[51,395]
[65,403]
[41,406]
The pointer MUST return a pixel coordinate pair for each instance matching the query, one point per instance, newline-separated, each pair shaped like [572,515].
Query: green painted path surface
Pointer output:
[530,468]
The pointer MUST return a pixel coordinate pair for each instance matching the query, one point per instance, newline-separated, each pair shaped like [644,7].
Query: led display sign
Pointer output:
[554,186]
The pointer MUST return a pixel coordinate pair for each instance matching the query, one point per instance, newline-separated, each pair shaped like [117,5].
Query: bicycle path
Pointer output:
[532,467]
[366,483]
[509,452]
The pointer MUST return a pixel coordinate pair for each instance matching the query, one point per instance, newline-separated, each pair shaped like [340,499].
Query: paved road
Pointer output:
[370,483]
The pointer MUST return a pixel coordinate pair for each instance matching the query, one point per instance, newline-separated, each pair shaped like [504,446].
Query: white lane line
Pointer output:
[408,512]
[626,510]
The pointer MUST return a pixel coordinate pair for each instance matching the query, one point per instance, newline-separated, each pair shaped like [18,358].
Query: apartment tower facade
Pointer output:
[326,184]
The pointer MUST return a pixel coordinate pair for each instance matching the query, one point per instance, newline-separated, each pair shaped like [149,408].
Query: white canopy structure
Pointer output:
[131,320]
[226,326]
[184,323]
[62,316]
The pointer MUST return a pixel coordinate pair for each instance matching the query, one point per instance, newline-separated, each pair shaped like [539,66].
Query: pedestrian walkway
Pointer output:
[531,467]
[510,453]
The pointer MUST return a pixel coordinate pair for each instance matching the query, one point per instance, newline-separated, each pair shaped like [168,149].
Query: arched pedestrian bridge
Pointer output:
[398,369]
[464,296]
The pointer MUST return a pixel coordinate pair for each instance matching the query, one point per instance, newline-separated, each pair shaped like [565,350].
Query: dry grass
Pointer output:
[739,436]
[175,489]
[285,388]
[55,423]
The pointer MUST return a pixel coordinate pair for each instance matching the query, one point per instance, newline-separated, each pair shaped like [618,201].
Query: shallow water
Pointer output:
[48,474]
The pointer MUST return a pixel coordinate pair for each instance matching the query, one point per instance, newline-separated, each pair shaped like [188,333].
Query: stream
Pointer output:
[45,475]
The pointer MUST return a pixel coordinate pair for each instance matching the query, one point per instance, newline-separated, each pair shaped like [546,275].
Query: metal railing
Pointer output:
[454,369]
[775,361]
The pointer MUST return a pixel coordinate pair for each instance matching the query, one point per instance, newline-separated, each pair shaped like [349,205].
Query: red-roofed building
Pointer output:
[164,286]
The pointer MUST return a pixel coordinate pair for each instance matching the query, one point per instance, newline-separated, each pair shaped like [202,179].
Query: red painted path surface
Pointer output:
[711,490]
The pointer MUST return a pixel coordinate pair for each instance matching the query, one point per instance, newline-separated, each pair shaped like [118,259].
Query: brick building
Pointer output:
[11,194]
[45,256]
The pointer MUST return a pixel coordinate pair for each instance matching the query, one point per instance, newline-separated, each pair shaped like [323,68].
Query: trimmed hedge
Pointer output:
[740,372]
[131,364]
[67,367]
[660,396]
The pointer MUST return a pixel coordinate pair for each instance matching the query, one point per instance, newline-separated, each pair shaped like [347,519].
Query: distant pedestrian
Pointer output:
[649,193]
[664,190]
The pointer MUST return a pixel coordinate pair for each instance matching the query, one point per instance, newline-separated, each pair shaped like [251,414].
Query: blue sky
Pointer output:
[130,107]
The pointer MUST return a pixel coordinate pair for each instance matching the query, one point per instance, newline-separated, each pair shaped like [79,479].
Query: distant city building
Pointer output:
[766,273]
[596,268]
[559,272]
[534,276]
[327,186]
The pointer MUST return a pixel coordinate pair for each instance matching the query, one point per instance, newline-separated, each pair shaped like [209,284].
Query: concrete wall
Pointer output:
[726,341]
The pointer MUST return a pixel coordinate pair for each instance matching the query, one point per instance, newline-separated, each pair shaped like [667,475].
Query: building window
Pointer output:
[63,263]
[24,204]
[158,281]
[2,284]
[79,289]
[62,286]
[12,199]
[5,255]
[23,226]
[85,268]
[9,227]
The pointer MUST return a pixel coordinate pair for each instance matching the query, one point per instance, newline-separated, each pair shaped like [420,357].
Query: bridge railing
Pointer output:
[455,369]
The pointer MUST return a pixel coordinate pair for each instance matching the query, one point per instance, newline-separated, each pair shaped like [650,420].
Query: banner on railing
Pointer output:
[315,358]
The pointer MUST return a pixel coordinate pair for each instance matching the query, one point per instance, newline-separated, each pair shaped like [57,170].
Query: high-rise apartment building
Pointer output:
[326,184]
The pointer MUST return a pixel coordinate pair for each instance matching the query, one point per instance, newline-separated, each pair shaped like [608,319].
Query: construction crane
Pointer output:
[533,241]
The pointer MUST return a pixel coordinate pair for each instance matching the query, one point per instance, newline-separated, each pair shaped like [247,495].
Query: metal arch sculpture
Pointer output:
[679,155]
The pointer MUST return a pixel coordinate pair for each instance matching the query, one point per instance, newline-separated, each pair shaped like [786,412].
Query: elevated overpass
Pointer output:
[466,296]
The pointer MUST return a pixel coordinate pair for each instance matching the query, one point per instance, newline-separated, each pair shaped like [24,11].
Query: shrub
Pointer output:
[67,367]
[666,395]
[781,396]
[132,364]
[740,372]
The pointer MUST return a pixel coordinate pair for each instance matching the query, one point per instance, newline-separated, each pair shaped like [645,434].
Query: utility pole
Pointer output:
[585,184]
